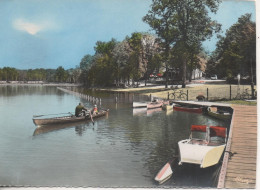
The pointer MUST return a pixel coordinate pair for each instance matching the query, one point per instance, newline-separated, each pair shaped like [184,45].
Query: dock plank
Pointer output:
[240,170]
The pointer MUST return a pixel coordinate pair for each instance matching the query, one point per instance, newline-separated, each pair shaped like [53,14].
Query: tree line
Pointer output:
[45,75]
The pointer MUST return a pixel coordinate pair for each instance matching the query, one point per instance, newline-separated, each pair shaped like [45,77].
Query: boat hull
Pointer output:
[159,104]
[140,104]
[164,174]
[219,115]
[185,109]
[203,155]
[67,119]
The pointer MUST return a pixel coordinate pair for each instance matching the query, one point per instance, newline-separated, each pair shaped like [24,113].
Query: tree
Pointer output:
[150,52]
[60,74]
[85,65]
[121,55]
[236,51]
[102,72]
[183,23]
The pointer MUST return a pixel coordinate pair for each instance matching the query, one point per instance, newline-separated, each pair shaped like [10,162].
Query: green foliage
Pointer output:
[114,62]
[8,74]
[61,75]
[184,24]
[235,53]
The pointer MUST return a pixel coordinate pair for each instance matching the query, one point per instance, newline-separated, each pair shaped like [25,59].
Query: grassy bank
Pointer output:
[214,92]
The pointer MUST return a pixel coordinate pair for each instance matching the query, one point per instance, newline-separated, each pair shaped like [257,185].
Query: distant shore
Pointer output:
[37,83]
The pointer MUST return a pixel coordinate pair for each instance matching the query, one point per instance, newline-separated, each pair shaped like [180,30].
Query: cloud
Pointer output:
[30,27]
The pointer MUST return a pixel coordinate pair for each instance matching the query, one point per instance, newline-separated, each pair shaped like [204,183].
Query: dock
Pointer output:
[202,103]
[238,170]
[239,163]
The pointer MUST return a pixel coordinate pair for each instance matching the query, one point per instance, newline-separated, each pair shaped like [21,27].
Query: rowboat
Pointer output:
[139,104]
[156,104]
[164,174]
[219,114]
[67,119]
[187,109]
[204,147]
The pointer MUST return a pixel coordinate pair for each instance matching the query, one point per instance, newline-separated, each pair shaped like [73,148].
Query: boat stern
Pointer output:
[192,153]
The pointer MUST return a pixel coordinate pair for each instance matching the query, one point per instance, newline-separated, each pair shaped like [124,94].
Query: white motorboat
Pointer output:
[204,147]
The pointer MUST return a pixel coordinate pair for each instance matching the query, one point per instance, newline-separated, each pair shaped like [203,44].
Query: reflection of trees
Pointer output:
[15,90]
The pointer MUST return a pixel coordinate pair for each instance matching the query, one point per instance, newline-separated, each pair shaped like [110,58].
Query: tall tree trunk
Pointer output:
[166,77]
[167,52]
[252,81]
[184,73]
[191,66]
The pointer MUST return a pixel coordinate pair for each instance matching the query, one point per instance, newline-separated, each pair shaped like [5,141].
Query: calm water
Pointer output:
[125,149]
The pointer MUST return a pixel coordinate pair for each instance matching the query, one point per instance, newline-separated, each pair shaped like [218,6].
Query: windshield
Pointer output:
[198,135]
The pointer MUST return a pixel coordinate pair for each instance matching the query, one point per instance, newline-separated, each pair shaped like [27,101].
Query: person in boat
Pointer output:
[94,110]
[80,110]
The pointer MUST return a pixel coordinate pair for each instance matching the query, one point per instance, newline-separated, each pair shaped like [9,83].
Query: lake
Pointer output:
[125,149]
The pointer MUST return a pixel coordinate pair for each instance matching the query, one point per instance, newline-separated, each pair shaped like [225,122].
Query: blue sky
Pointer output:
[52,33]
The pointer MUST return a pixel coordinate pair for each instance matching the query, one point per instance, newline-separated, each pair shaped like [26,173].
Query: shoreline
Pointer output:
[39,84]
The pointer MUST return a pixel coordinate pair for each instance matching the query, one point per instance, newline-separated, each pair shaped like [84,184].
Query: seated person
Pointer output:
[94,110]
[80,110]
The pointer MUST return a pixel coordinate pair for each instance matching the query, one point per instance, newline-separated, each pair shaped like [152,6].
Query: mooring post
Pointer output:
[150,97]
[187,95]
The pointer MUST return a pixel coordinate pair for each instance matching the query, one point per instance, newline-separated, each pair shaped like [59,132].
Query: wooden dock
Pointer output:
[240,170]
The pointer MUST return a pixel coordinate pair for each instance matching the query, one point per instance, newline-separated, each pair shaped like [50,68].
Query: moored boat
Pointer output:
[139,104]
[67,119]
[187,109]
[219,114]
[156,104]
[204,147]
[164,174]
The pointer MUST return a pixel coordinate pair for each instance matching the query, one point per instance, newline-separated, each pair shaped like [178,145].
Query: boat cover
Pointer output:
[198,128]
[217,131]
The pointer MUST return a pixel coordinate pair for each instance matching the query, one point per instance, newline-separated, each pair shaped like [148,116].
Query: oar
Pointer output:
[91,117]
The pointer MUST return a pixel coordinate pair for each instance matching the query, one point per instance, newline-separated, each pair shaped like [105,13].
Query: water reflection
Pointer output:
[19,90]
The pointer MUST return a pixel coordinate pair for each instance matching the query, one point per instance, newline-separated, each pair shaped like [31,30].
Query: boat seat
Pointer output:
[215,143]
[198,142]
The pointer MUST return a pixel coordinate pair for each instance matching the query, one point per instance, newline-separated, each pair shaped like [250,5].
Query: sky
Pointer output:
[53,33]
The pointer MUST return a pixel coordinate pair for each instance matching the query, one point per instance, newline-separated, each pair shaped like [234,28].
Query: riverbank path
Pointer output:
[240,170]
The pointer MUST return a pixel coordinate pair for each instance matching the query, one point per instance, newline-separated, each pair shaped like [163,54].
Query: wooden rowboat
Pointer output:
[67,119]
[216,113]
[187,109]
[157,104]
